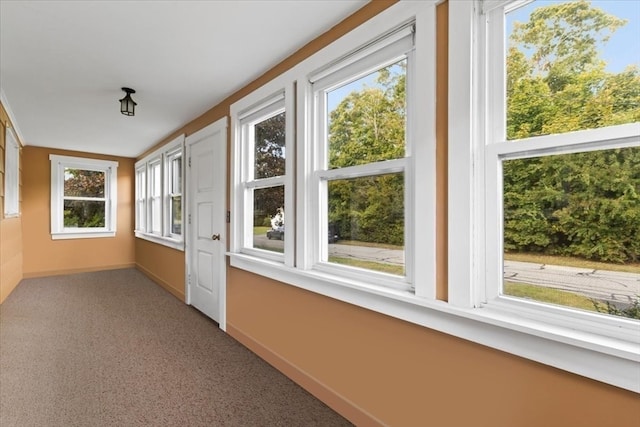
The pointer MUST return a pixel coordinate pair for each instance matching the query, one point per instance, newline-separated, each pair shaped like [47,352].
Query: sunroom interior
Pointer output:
[419,347]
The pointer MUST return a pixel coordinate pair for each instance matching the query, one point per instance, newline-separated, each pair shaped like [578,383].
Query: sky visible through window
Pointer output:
[622,48]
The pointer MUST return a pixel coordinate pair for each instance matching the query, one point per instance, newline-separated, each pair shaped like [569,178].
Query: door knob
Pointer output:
[215,237]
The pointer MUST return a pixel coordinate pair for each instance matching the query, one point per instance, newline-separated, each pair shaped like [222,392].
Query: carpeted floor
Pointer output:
[114,349]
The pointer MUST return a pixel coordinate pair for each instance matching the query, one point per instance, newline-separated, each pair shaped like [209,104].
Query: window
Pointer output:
[326,156]
[159,201]
[141,198]
[550,171]
[83,197]
[564,153]
[336,172]
[11,175]
[174,192]
[362,157]
[262,131]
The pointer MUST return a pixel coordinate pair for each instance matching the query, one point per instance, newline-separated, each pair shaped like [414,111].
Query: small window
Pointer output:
[83,197]
[11,175]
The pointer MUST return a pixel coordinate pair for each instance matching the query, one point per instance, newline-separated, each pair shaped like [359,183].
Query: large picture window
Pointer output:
[159,201]
[83,197]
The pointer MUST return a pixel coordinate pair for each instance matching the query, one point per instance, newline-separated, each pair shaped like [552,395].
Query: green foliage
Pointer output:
[269,162]
[632,311]
[87,184]
[368,126]
[585,204]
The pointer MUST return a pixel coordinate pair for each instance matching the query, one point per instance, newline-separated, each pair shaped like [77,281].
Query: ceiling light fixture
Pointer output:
[128,105]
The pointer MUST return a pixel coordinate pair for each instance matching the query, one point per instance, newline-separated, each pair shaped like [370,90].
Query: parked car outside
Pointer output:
[276,233]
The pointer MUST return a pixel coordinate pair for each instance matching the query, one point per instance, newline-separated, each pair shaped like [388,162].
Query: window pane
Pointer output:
[569,67]
[270,147]
[83,183]
[176,214]
[367,214]
[84,213]
[367,118]
[572,230]
[155,188]
[176,171]
[268,218]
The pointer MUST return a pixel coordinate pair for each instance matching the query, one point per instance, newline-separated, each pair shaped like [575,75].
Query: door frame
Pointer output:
[220,125]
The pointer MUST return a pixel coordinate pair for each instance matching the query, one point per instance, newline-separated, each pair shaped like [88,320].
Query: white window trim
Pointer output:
[383,51]
[165,236]
[275,97]
[167,195]
[110,169]
[556,331]
[11,175]
[591,354]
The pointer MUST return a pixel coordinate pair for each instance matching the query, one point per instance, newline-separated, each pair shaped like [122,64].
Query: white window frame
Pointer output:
[110,169]
[170,175]
[387,50]
[245,115]
[141,197]
[146,204]
[598,356]
[609,347]
[11,174]
[366,290]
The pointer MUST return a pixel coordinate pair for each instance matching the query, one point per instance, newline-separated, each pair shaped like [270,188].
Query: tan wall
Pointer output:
[379,370]
[44,256]
[10,228]
[164,265]
[406,375]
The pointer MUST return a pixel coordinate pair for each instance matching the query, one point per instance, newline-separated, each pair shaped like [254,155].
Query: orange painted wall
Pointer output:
[166,266]
[11,251]
[44,256]
[400,374]
[377,370]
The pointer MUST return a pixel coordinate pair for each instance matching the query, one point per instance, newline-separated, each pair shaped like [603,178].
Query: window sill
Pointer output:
[82,235]
[603,358]
[165,241]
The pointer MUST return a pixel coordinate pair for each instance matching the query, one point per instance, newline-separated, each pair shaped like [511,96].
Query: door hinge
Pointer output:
[189,218]
[189,161]
[189,279]
[228,217]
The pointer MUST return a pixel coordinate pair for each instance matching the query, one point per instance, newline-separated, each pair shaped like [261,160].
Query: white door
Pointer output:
[206,224]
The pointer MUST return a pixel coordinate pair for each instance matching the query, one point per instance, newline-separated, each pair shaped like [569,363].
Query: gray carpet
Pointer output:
[114,349]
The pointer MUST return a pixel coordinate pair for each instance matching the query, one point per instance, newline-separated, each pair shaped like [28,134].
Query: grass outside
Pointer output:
[571,262]
[398,270]
[548,295]
[370,244]
[260,230]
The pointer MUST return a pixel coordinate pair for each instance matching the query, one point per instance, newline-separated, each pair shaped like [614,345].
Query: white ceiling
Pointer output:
[62,63]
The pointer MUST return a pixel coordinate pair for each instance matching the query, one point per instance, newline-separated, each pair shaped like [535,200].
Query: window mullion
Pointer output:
[460,152]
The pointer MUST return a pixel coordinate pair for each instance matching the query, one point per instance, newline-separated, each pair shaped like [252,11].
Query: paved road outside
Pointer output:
[614,286]
[387,256]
